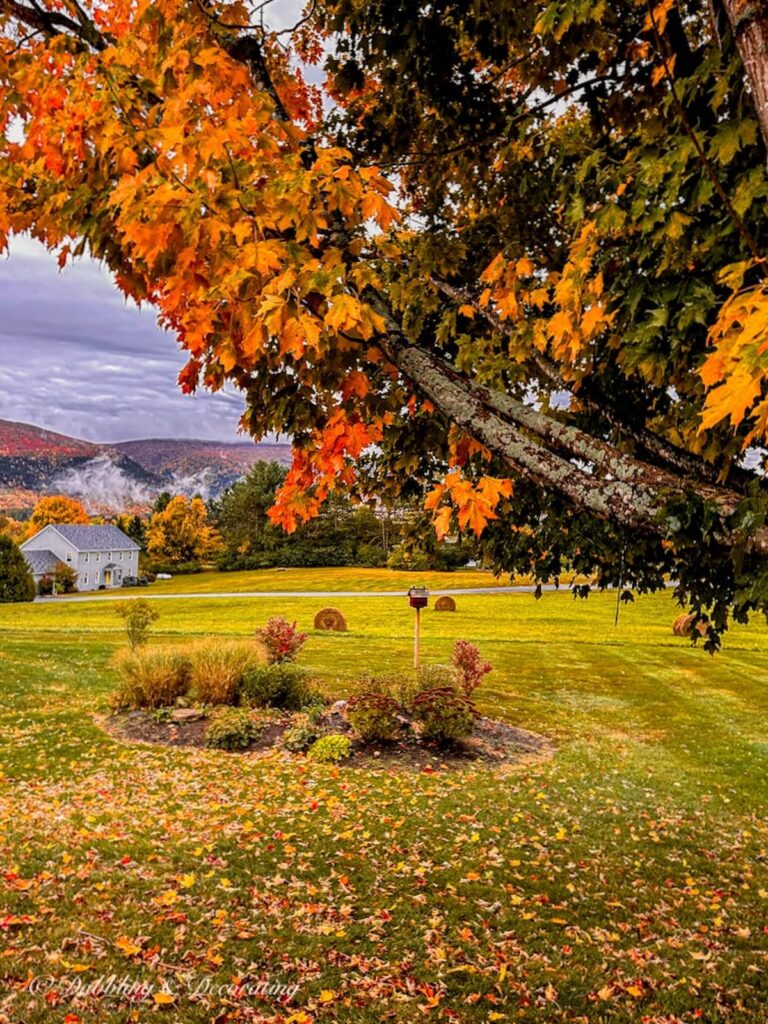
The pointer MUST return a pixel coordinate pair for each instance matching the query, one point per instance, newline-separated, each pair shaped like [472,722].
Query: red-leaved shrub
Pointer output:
[469,665]
[281,639]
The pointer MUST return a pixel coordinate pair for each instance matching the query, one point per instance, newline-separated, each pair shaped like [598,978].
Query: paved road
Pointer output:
[147,592]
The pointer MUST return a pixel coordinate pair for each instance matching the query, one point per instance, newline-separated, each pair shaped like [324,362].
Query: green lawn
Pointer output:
[211,582]
[624,880]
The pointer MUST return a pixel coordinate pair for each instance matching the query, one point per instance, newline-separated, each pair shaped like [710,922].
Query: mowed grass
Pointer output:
[338,579]
[625,879]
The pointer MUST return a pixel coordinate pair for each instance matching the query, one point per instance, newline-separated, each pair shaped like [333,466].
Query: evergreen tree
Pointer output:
[16,583]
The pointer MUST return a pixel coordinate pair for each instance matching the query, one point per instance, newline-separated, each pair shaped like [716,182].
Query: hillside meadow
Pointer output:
[624,879]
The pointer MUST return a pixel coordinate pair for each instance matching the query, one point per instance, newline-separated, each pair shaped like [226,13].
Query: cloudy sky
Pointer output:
[76,358]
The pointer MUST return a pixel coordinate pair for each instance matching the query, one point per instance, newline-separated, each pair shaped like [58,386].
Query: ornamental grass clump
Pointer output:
[151,677]
[219,666]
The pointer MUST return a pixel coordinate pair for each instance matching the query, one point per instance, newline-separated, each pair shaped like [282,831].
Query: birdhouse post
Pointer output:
[418,598]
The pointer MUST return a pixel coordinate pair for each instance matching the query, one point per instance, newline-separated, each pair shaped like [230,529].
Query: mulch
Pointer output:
[492,743]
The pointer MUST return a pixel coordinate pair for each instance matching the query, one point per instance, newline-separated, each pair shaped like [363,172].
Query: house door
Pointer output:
[107,577]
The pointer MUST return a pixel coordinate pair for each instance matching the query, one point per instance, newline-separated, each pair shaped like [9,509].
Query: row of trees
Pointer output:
[235,531]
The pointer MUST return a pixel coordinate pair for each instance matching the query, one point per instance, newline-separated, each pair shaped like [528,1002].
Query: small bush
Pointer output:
[444,714]
[469,665]
[330,749]
[151,677]
[219,666]
[375,717]
[63,581]
[279,685]
[138,616]
[281,639]
[232,729]
[401,688]
[432,676]
[300,736]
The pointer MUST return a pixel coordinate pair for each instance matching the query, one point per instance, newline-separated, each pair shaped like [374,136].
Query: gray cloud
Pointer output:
[75,357]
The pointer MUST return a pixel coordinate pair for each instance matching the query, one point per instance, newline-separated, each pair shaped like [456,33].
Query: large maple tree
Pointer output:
[510,255]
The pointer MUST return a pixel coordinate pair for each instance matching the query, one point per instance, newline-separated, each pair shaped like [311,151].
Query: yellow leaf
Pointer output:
[164,998]
[127,946]
[731,399]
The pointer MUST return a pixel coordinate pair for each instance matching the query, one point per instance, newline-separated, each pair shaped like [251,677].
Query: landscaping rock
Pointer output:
[186,715]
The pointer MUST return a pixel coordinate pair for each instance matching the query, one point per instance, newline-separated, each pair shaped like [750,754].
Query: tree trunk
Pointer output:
[749,21]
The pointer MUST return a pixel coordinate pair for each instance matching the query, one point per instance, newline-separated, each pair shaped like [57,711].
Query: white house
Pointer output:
[100,555]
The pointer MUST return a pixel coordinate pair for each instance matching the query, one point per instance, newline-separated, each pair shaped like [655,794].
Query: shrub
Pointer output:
[281,639]
[64,579]
[138,616]
[431,676]
[409,561]
[300,736]
[45,585]
[151,677]
[232,729]
[16,583]
[469,665]
[401,688]
[219,666]
[279,685]
[444,714]
[375,717]
[330,749]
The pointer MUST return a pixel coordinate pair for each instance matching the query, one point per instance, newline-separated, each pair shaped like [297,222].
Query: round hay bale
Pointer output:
[445,604]
[331,618]
[683,625]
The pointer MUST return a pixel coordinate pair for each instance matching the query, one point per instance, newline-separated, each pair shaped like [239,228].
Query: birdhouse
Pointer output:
[418,597]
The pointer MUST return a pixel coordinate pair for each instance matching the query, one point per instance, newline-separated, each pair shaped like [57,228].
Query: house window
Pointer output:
[85,579]
[69,558]
[98,556]
[87,557]
[121,556]
[109,557]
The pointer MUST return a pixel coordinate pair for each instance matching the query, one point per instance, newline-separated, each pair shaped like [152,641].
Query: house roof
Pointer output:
[41,562]
[95,538]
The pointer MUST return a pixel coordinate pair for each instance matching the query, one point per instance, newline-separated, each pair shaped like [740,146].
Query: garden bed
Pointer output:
[492,742]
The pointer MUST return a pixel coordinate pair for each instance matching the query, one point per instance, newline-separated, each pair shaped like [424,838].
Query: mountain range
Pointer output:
[116,476]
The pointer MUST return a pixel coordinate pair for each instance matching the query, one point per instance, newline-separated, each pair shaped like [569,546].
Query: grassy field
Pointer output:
[624,880]
[277,580]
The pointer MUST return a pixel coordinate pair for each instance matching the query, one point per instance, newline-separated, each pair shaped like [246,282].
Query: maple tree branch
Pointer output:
[749,22]
[706,163]
[631,493]
[653,444]
[54,23]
